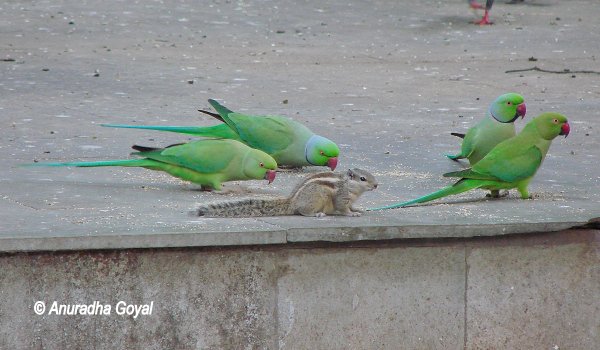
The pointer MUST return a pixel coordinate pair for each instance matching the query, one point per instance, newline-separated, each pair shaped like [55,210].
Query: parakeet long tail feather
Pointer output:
[123,162]
[459,187]
[193,130]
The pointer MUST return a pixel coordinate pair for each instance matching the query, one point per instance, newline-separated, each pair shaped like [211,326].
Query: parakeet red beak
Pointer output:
[565,129]
[332,163]
[270,175]
[521,110]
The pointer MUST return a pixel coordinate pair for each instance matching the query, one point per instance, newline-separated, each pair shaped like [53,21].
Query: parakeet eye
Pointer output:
[555,121]
[321,152]
[362,178]
[262,165]
[509,103]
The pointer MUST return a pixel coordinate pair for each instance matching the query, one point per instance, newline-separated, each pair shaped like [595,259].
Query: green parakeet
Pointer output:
[204,162]
[289,142]
[495,128]
[511,164]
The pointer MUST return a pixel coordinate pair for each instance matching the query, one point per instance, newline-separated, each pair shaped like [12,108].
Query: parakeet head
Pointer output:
[259,165]
[550,125]
[508,107]
[321,151]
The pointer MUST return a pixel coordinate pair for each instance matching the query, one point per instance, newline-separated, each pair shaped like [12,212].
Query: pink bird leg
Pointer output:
[485,20]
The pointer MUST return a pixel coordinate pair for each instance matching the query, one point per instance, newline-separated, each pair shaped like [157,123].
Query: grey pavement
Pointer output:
[387,80]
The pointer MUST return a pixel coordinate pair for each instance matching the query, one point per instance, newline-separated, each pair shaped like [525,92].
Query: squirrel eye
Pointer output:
[262,164]
[362,178]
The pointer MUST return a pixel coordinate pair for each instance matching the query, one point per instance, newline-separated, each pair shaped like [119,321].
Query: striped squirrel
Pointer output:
[321,194]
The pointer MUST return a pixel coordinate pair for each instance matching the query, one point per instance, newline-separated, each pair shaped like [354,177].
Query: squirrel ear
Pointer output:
[350,173]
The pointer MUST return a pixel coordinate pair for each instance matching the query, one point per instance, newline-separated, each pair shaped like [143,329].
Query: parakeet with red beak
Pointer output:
[490,131]
[289,142]
[205,162]
[511,164]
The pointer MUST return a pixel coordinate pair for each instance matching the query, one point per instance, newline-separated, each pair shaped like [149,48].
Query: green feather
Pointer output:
[120,162]
[217,131]
[204,156]
[222,110]
[459,187]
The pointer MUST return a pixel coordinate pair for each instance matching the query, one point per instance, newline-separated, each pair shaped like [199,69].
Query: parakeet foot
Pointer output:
[485,20]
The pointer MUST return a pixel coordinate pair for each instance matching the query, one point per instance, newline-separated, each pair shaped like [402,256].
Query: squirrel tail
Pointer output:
[246,208]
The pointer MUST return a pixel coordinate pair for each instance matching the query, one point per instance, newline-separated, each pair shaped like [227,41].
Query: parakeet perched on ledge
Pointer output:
[511,164]
[290,143]
[496,127]
[204,162]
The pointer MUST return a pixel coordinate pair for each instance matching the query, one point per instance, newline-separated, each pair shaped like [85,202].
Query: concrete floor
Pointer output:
[387,80]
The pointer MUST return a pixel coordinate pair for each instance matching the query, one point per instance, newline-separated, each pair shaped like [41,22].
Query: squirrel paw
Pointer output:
[353,213]
[320,215]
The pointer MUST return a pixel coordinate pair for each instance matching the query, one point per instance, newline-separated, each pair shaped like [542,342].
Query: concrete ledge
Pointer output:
[535,291]
[288,231]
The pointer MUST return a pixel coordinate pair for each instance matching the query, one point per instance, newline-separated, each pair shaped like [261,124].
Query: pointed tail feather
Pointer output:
[123,162]
[192,130]
[216,131]
[214,115]
[459,187]
[462,136]
[222,110]
[144,148]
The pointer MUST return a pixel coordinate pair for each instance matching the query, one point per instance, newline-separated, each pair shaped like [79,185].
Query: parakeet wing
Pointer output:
[471,174]
[208,156]
[511,166]
[269,133]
